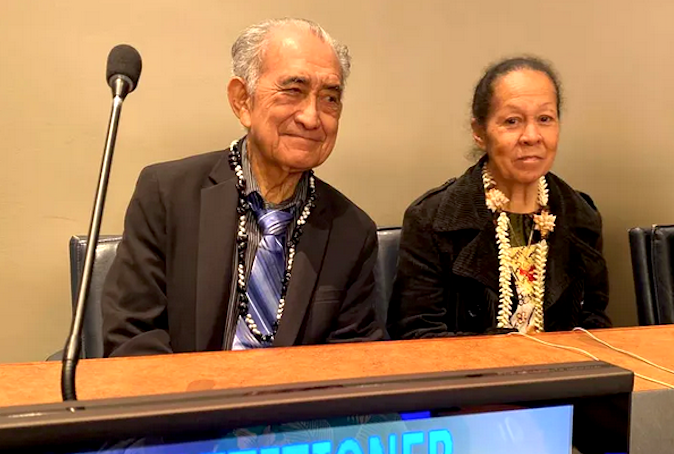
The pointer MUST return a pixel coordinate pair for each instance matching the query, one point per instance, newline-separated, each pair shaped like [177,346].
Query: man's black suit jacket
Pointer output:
[170,287]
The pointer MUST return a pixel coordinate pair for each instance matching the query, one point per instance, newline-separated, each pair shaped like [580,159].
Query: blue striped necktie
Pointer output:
[266,275]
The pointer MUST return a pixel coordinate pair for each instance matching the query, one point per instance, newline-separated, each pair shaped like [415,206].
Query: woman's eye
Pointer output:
[511,121]
[546,119]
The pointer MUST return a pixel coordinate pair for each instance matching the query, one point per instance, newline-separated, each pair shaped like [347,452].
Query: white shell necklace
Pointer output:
[242,209]
[497,201]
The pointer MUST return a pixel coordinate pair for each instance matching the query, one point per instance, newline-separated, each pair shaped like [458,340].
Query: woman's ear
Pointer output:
[479,134]
[239,100]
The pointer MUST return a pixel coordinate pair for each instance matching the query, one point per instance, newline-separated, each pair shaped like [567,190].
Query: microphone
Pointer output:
[122,74]
[123,70]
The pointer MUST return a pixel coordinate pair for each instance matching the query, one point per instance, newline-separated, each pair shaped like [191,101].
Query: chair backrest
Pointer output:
[92,329]
[653,268]
[92,332]
[387,264]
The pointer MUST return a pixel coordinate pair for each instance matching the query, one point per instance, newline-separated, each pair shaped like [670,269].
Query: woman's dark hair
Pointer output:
[484,91]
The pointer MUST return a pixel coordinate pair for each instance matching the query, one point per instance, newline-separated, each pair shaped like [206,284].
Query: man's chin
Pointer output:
[303,158]
[293,141]
[302,165]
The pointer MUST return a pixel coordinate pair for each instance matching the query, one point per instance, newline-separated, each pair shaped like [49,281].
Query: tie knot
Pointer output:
[270,222]
[273,222]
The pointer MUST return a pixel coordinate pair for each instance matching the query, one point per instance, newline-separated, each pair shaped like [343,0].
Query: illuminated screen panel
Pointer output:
[546,430]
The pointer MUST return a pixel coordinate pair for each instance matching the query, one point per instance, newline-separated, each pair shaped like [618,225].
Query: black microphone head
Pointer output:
[124,60]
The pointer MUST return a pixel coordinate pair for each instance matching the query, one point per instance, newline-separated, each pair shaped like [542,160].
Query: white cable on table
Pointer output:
[620,350]
[588,354]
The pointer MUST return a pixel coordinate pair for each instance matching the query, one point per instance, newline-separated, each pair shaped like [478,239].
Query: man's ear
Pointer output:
[479,134]
[239,100]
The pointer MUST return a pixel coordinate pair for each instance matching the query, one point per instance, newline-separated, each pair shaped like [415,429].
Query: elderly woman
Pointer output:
[508,246]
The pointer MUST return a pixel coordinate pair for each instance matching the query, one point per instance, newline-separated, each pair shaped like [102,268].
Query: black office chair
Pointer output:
[92,333]
[387,264]
[653,268]
[92,327]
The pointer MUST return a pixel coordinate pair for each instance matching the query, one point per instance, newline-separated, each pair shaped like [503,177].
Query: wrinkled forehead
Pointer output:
[294,51]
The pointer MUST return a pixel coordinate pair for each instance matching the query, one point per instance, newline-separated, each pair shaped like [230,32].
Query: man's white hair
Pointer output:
[248,49]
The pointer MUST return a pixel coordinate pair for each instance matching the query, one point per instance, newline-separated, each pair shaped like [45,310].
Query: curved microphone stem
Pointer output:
[71,354]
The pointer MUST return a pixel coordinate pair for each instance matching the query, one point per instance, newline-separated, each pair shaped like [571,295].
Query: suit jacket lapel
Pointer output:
[464,214]
[569,257]
[561,268]
[479,260]
[217,230]
[306,267]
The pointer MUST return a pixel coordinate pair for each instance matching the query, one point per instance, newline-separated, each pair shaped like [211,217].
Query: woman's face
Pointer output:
[522,129]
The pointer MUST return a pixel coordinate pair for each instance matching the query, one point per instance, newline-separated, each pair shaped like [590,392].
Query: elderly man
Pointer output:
[246,248]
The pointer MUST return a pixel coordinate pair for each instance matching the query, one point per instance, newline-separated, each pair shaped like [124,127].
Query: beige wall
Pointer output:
[404,129]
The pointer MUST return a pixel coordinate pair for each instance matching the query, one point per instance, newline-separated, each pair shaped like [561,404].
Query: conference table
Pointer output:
[653,407]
